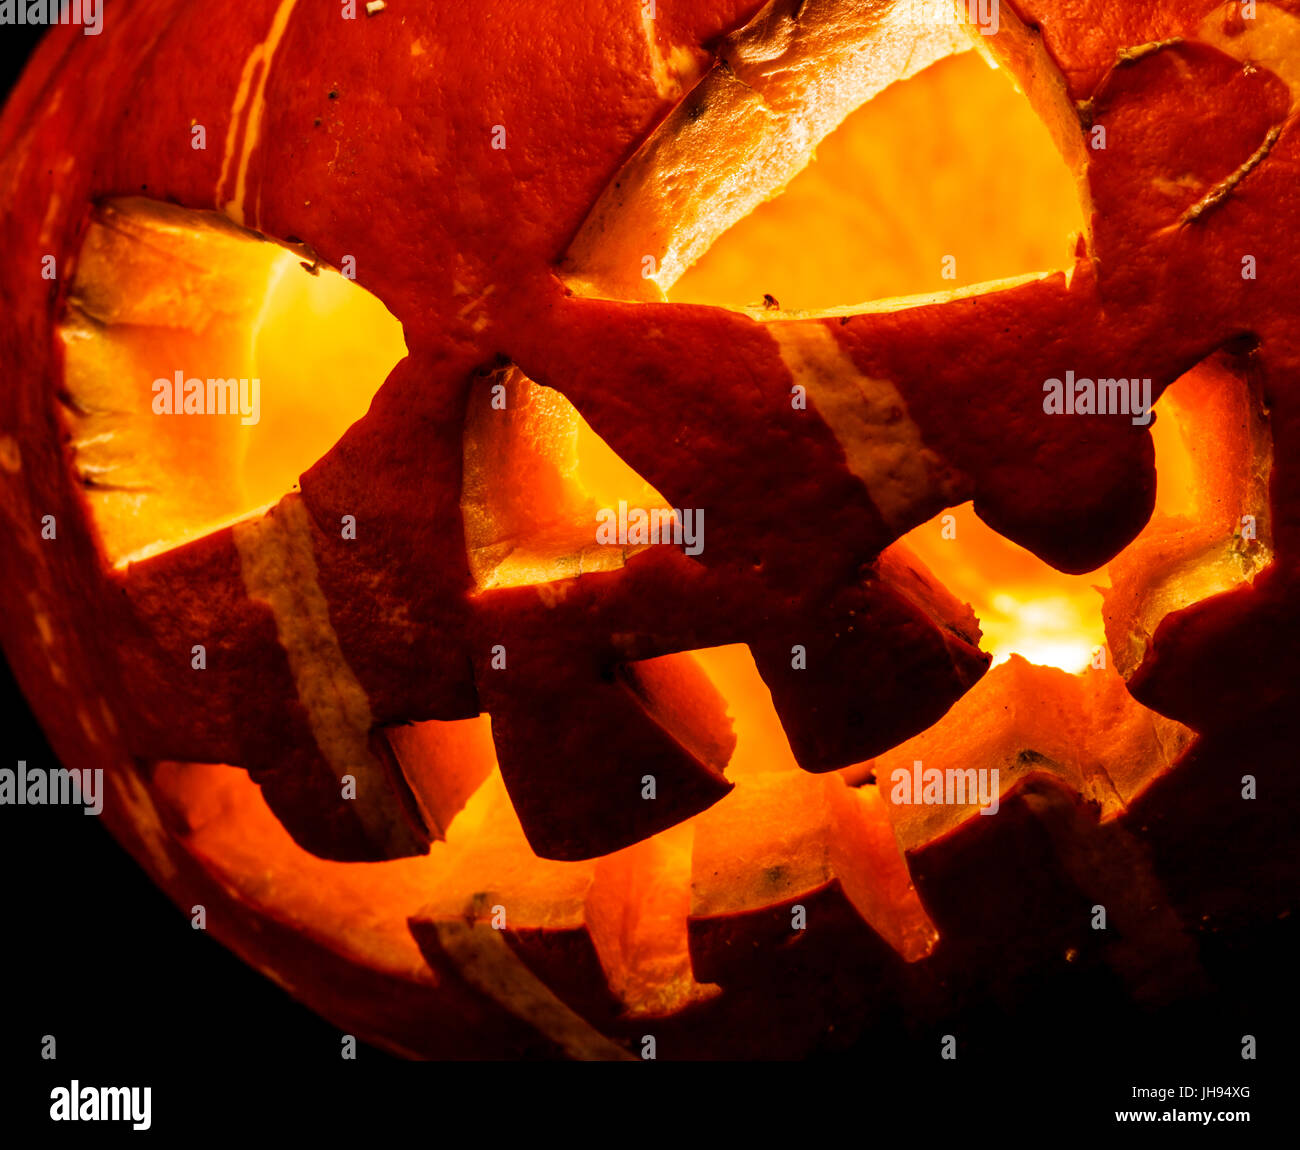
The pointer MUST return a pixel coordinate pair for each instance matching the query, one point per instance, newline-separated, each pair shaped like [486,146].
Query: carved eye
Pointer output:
[205,368]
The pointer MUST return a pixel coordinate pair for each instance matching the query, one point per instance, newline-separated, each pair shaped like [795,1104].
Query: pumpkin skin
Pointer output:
[1153,285]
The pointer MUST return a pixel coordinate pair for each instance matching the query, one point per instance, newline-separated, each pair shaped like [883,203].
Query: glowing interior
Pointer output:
[159,291]
[1211,531]
[749,125]
[1023,605]
[952,164]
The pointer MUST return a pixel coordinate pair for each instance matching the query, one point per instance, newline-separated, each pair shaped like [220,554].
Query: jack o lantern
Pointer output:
[525,635]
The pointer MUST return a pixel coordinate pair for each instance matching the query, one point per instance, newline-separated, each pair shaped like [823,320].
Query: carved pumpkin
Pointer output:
[468,776]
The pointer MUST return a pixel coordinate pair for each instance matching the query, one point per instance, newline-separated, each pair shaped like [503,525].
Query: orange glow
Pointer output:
[535,477]
[761,745]
[1211,531]
[1173,431]
[1023,605]
[160,292]
[952,162]
[1022,720]
[1026,607]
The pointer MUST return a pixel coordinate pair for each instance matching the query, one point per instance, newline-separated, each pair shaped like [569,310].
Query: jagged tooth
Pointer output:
[879,662]
[596,761]
[607,936]
[540,906]
[637,907]
[486,962]
[443,763]
[794,876]
[345,809]
[1006,812]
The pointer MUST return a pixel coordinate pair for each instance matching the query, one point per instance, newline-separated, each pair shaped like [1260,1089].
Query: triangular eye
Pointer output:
[206,368]
[899,165]
[536,477]
[944,180]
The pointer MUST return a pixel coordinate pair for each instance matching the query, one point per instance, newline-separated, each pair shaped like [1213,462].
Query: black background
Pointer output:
[95,955]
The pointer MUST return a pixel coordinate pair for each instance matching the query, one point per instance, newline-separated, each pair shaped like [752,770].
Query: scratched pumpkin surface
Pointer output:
[418,656]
